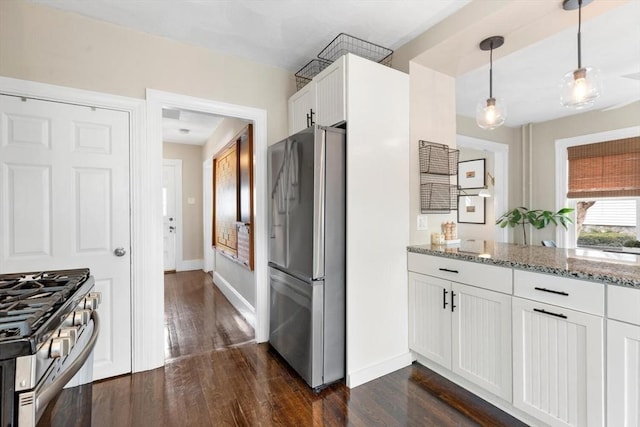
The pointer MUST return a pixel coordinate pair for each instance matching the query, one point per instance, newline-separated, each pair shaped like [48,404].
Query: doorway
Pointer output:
[156,101]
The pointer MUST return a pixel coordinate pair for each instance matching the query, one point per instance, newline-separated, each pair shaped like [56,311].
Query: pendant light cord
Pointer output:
[579,30]
[491,71]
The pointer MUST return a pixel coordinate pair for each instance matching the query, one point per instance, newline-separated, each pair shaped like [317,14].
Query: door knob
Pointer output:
[119,252]
[171,228]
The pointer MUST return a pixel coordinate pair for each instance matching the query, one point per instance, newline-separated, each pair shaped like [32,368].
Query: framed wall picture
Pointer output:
[471,209]
[471,174]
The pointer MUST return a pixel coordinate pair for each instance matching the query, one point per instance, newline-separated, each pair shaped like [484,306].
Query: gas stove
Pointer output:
[48,328]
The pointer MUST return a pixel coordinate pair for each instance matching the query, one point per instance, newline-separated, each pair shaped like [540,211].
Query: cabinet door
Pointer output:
[330,94]
[558,365]
[623,374]
[300,105]
[481,340]
[430,318]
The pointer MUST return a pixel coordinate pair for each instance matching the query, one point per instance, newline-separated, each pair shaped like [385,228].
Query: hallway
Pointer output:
[216,375]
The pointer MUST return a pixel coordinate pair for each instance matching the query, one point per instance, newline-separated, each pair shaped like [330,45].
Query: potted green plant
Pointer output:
[537,218]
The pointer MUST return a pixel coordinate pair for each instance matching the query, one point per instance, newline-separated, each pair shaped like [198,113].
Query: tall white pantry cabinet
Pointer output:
[373,101]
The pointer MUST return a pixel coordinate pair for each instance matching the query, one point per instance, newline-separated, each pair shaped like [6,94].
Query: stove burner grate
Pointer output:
[28,299]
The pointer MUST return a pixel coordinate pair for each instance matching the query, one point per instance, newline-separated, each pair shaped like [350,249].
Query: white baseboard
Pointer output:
[378,370]
[190,264]
[242,305]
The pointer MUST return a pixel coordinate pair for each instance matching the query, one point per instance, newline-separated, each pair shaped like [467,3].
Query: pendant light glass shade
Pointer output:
[490,113]
[579,88]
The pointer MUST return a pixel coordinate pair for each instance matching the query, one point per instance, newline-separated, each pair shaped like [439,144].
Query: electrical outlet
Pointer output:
[422,222]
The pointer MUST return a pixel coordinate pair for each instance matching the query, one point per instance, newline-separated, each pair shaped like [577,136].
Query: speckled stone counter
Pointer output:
[610,267]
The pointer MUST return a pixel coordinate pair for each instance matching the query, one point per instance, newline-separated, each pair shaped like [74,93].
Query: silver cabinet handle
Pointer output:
[119,252]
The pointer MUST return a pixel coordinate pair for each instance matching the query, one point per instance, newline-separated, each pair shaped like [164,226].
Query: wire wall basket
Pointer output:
[344,43]
[438,197]
[309,71]
[437,159]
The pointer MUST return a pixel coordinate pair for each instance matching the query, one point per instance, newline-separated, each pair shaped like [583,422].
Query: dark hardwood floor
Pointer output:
[216,375]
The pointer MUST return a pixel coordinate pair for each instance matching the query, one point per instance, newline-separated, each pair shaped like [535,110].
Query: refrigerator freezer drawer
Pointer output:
[296,324]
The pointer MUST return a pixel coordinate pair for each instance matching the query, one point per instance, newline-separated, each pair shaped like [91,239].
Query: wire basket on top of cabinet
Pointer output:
[344,43]
[309,71]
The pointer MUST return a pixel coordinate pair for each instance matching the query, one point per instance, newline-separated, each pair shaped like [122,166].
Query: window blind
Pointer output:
[605,169]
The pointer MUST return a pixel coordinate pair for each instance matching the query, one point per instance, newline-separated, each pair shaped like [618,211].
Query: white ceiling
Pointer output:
[529,79]
[288,33]
[188,127]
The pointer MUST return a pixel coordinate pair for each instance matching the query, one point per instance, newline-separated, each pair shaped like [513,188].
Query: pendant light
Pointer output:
[579,88]
[491,112]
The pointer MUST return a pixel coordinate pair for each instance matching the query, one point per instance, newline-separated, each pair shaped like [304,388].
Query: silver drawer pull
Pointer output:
[539,310]
[551,291]
[448,270]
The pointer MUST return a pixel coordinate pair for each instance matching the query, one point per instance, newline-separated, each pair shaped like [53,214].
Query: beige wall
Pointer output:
[227,129]
[51,46]
[542,157]
[192,234]
[479,231]
[238,276]
[432,114]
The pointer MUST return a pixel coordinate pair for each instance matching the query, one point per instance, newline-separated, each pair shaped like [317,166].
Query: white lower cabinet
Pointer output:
[462,328]
[558,364]
[623,357]
[623,374]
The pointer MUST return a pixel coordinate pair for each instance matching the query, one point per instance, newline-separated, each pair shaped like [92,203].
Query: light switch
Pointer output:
[422,222]
[191,200]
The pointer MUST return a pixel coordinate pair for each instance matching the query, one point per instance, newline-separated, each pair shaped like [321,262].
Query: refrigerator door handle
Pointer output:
[319,204]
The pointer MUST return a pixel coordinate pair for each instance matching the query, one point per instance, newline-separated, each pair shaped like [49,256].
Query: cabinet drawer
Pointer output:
[623,304]
[575,294]
[481,275]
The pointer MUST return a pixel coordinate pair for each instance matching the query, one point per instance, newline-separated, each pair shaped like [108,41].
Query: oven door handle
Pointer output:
[45,396]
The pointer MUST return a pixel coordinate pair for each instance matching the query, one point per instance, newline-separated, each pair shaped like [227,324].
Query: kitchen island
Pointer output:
[540,332]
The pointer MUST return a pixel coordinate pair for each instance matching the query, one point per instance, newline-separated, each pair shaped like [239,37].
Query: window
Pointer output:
[604,180]
[607,223]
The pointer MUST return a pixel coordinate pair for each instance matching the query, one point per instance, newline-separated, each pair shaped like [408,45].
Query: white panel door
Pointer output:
[623,374]
[330,94]
[430,318]
[301,106]
[64,203]
[481,340]
[558,364]
[169,219]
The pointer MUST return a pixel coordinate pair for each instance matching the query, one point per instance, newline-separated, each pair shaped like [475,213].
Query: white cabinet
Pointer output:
[301,105]
[322,101]
[623,357]
[430,318]
[558,366]
[463,328]
[623,374]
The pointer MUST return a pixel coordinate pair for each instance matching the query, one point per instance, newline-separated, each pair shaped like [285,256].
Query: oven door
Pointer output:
[32,403]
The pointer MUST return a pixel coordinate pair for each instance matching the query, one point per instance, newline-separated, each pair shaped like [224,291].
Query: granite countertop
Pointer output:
[610,267]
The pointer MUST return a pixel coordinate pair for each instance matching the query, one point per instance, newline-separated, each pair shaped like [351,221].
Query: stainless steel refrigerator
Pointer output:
[307,253]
